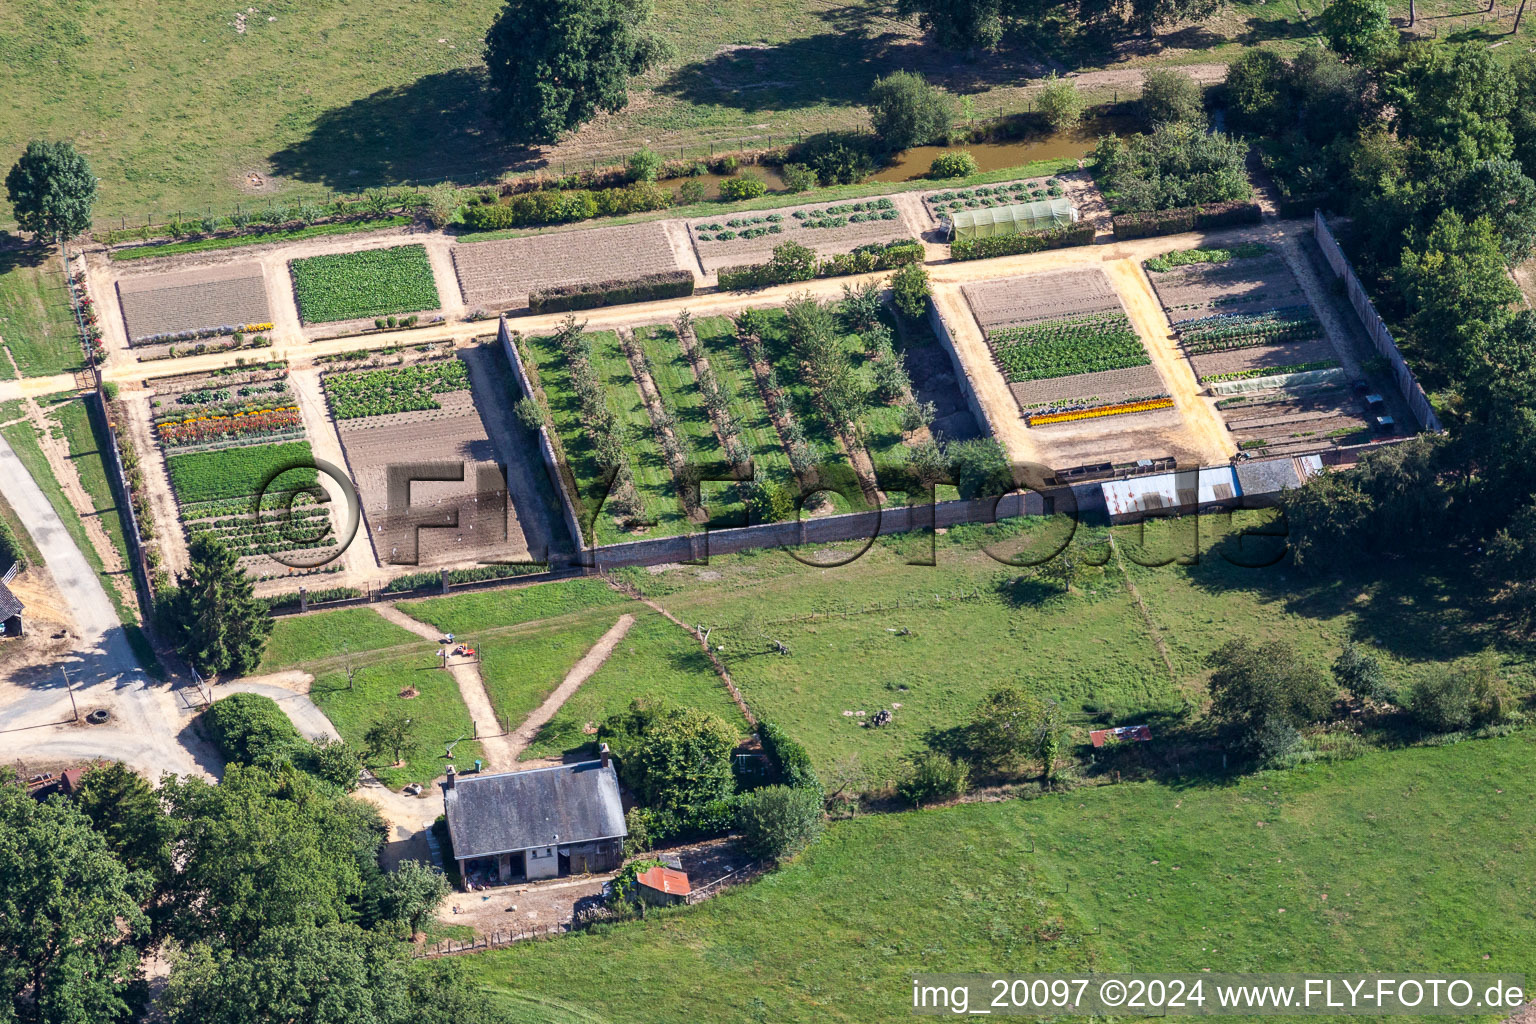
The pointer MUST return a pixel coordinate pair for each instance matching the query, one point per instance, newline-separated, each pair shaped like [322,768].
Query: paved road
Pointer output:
[148,729]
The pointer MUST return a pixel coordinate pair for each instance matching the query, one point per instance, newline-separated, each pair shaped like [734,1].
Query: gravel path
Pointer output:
[303,712]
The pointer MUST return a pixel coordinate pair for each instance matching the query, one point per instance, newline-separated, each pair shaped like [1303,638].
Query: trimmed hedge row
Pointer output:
[863,260]
[667,284]
[1030,241]
[548,206]
[1187,218]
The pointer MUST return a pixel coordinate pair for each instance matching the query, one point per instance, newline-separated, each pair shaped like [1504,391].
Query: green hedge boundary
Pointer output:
[1186,218]
[863,260]
[667,284]
[1029,241]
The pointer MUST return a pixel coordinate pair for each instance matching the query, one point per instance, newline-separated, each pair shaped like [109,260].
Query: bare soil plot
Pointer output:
[461,515]
[1022,300]
[1088,390]
[829,228]
[193,300]
[1302,353]
[499,275]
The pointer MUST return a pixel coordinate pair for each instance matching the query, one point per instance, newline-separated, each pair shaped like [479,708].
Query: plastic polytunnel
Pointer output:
[1040,215]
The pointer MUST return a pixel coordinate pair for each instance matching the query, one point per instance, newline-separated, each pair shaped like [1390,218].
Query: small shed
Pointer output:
[10,613]
[1120,734]
[540,823]
[663,886]
[1015,219]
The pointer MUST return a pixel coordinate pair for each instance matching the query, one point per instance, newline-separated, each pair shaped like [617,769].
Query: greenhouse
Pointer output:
[1040,215]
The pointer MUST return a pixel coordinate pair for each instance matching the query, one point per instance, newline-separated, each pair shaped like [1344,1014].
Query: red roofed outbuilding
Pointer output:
[662,886]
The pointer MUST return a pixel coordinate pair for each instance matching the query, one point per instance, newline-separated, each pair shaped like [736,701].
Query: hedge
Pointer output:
[10,548]
[1187,218]
[247,726]
[863,260]
[1080,233]
[550,206]
[668,284]
[788,756]
[281,601]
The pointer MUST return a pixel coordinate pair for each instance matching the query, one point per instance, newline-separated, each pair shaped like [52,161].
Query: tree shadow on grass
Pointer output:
[18,253]
[438,127]
[1423,609]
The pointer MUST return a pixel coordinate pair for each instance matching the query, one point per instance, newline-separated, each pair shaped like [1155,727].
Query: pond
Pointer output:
[711,182]
[913,163]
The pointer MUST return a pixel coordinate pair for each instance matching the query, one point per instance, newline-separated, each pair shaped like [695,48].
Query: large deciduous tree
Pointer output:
[52,189]
[555,63]
[1358,30]
[1455,283]
[213,616]
[1267,692]
[968,25]
[905,110]
[68,909]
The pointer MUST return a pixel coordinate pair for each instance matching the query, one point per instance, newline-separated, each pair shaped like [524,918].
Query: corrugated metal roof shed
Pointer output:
[513,811]
[10,604]
[667,880]
[1186,489]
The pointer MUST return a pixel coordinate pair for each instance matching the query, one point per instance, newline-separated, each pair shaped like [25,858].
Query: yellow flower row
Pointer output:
[252,328]
[246,412]
[1103,410]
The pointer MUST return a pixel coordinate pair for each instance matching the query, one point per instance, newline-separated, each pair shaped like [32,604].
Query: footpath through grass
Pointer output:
[35,316]
[297,639]
[1424,857]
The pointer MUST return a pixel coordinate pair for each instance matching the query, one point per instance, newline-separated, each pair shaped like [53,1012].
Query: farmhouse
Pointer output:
[523,826]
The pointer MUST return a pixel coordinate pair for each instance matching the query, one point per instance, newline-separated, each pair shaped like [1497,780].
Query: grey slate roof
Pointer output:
[511,811]
[9,603]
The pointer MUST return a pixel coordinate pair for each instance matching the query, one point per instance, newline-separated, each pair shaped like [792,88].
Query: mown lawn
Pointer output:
[656,659]
[1420,857]
[466,614]
[35,317]
[520,673]
[437,713]
[297,639]
[717,336]
[648,463]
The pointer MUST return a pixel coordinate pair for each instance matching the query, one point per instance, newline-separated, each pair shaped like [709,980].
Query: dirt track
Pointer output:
[579,673]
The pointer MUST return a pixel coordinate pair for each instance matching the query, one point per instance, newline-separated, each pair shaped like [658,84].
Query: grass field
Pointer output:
[297,639]
[437,713]
[1421,857]
[144,252]
[35,317]
[466,614]
[655,659]
[728,363]
[177,107]
[520,673]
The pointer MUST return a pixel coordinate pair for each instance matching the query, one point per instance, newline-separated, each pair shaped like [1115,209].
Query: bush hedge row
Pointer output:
[552,207]
[10,548]
[1188,218]
[667,284]
[788,756]
[863,260]
[1029,241]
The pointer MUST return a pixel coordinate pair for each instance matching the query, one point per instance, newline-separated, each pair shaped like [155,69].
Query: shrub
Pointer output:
[789,758]
[957,164]
[10,548]
[691,192]
[769,504]
[1177,164]
[1168,95]
[442,204]
[777,822]
[1462,697]
[247,727]
[1061,104]
[643,165]
[979,467]
[1027,241]
[667,284]
[909,289]
[795,262]
[838,158]
[798,177]
[905,110]
[1360,674]
[932,776]
[109,390]
[529,413]
[673,759]
[746,186]
[333,761]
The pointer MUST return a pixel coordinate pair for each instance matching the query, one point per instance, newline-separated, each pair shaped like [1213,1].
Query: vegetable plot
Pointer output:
[234,472]
[354,285]
[1225,332]
[1068,346]
[394,389]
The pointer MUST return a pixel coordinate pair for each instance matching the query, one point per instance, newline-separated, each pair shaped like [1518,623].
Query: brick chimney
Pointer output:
[603,754]
[451,774]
